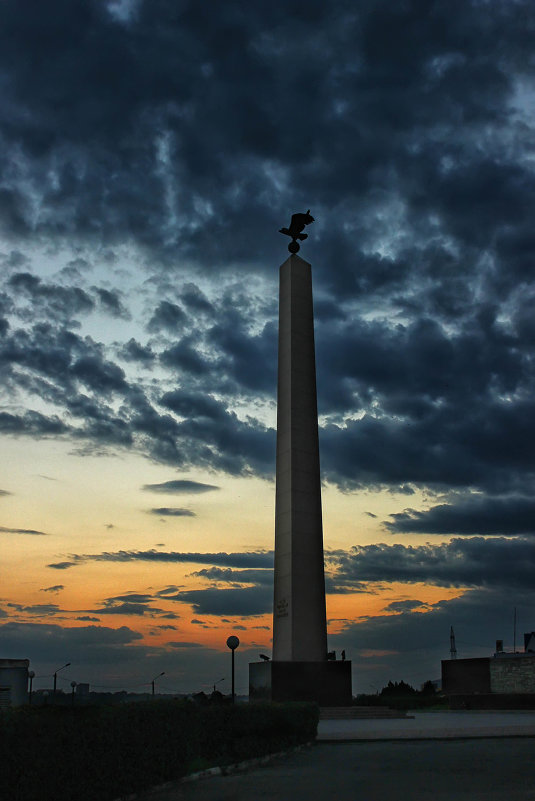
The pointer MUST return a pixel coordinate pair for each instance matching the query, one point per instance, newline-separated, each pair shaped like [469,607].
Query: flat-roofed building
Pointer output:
[13,682]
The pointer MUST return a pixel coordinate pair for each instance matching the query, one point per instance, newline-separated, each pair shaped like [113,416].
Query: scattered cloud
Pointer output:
[36,610]
[127,608]
[405,606]
[33,532]
[166,511]
[180,486]
[184,644]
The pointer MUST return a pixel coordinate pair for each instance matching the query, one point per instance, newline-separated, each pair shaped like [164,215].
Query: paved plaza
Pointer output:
[455,756]
[431,725]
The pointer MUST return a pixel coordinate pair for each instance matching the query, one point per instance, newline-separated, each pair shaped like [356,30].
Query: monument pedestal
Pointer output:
[327,683]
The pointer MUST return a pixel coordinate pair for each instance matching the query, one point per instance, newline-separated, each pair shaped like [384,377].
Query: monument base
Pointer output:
[327,683]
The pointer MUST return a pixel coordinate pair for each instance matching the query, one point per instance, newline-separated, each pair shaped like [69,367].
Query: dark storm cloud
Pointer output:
[480,515]
[36,610]
[428,70]
[242,602]
[248,359]
[72,373]
[110,302]
[405,606]
[255,576]
[472,562]
[481,446]
[133,351]
[6,530]
[253,559]
[83,644]
[50,300]
[409,383]
[64,359]
[132,603]
[168,316]
[136,597]
[32,424]
[126,608]
[180,486]
[224,442]
[166,511]
[194,405]
[110,659]
[195,300]
[14,260]
[186,358]
[99,375]
[410,138]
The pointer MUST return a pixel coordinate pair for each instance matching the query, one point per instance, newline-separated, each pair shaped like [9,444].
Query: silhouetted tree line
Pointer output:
[400,695]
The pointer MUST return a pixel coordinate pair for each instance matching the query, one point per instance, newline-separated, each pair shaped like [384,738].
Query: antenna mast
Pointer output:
[453,649]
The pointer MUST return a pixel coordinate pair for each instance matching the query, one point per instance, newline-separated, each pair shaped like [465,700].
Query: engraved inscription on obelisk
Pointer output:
[299,621]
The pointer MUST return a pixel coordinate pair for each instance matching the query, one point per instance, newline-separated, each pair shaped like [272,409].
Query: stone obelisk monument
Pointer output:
[300,669]
[299,622]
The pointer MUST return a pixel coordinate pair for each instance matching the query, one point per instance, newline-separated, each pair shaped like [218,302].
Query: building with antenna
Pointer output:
[504,680]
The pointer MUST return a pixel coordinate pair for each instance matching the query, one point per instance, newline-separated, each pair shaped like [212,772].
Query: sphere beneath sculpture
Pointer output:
[293,247]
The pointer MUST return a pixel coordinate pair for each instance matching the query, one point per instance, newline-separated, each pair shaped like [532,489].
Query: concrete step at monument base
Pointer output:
[359,712]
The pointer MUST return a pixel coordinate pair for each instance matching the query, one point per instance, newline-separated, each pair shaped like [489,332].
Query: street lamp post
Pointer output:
[31,676]
[73,685]
[218,681]
[232,643]
[56,675]
[154,679]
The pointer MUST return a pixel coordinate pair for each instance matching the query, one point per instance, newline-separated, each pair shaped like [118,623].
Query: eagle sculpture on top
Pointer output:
[295,230]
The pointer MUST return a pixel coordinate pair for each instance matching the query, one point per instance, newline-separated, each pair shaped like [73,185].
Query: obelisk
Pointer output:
[299,621]
[300,670]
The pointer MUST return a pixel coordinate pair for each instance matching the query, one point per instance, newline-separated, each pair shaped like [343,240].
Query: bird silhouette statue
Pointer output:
[295,230]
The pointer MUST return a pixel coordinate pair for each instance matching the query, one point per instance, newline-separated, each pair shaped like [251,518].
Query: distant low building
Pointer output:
[13,682]
[494,679]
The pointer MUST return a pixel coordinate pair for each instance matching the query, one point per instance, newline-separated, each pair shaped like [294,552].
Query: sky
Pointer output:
[150,152]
